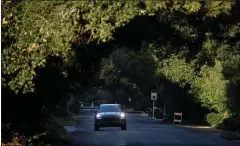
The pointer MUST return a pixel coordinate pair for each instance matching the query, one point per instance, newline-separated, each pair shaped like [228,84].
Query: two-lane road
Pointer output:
[140,131]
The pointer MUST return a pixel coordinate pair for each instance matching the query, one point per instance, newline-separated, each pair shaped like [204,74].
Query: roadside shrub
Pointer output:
[54,132]
[232,123]
[75,107]
[230,135]
[61,112]
[214,119]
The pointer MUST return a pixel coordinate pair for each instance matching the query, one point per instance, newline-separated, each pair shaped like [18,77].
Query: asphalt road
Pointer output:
[141,131]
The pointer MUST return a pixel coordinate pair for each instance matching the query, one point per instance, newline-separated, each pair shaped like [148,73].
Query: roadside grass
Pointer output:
[71,121]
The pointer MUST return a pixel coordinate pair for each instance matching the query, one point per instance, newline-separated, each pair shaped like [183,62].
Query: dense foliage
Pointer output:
[33,31]
[232,123]
[214,119]
[197,52]
[230,135]
[51,52]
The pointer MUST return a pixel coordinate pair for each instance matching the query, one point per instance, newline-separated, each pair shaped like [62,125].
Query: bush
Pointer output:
[230,135]
[214,119]
[75,107]
[54,135]
[69,122]
[61,112]
[54,132]
[232,123]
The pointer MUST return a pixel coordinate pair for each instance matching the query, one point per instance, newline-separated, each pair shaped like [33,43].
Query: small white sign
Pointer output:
[154,96]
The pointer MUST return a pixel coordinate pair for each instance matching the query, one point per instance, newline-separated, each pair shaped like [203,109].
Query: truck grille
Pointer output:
[111,119]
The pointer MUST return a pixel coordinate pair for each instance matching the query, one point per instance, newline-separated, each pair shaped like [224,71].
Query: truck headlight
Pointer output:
[122,115]
[98,116]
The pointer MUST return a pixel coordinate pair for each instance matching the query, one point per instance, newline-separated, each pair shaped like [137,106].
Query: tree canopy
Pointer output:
[34,31]
[55,49]
[192,53]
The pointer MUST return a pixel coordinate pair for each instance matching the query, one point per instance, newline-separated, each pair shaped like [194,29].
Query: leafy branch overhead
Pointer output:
[203,55]
[37,30]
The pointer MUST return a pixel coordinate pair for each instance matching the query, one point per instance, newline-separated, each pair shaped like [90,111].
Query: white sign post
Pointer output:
[153,97]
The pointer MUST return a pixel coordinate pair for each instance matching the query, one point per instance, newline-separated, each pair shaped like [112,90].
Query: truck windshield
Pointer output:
[109,108]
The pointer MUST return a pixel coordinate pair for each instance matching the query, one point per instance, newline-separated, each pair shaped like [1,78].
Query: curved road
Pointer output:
[141,131]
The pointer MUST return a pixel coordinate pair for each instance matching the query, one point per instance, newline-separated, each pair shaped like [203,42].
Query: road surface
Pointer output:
[141,131]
